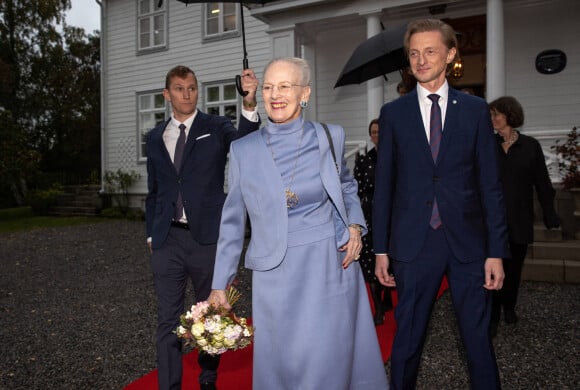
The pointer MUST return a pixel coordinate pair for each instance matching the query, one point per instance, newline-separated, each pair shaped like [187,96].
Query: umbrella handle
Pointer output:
[239,79]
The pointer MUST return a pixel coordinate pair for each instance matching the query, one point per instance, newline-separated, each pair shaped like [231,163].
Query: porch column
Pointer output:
[375,93]
[495,51]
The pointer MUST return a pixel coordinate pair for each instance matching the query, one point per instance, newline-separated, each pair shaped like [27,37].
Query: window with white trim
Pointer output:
[151,24]
[220,19]
[152,109]
[222,99]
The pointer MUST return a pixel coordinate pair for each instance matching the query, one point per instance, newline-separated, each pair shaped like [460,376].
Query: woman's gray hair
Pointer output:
[300,63]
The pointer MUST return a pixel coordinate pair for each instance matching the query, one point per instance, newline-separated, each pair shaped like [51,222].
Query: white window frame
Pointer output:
[221,33]
[219,106]
[148,118]
[155,13]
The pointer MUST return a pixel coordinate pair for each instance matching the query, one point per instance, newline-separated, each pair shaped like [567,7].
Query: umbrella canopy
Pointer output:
[377,56]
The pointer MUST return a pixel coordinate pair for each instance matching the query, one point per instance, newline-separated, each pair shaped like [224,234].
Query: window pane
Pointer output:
[212,26]
[144,102]
[159,101]
[159,36]
[159,117]
[213,10]
[231,111]
[147,122]
[213,110]
[144,6]
[213,94]
[144,32]
[158,5]
[230,23]
[229,92]
[230,8]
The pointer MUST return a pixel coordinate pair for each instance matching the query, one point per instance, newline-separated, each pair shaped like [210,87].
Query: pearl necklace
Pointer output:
[513,138]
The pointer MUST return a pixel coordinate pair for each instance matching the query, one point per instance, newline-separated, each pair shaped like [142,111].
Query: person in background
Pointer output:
[364,173]
[310,307]
[438,208]
[401,89]
[523,169]
[186,157]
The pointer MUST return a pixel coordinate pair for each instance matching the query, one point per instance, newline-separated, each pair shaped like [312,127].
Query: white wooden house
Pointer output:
[143,39]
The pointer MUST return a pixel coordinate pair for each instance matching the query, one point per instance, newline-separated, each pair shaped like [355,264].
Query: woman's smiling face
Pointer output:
[283,90]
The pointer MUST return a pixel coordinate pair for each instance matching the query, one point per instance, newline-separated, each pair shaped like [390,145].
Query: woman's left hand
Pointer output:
[353,247]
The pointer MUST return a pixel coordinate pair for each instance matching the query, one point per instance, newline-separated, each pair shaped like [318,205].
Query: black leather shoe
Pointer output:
[510,317]
[207,386]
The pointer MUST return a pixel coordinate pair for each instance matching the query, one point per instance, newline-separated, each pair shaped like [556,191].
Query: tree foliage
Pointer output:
[49,96]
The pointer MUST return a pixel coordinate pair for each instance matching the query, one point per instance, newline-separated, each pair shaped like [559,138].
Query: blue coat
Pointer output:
[201,178]
[465,181]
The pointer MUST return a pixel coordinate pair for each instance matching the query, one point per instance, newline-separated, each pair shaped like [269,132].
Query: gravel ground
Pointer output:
[78,312]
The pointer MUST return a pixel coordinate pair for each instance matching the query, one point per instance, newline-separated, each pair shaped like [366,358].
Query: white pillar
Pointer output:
[375,94]
[495,50]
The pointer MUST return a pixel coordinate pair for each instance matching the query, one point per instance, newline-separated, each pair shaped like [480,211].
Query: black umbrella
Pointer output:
[241,2]
[378,55]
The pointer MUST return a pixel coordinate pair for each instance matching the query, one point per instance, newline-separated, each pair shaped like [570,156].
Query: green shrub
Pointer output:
[118,184]
[41,201]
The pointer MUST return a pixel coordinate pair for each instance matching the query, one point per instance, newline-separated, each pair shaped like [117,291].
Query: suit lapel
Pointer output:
[198,126]
[417,126]
[157,139]
[451,122]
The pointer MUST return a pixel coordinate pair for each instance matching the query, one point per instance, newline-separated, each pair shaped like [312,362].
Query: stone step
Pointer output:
[74,210]
[562,250]
[551,270]
[553,262]
[541,234]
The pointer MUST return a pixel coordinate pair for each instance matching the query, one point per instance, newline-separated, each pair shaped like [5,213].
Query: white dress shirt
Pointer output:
[425,105]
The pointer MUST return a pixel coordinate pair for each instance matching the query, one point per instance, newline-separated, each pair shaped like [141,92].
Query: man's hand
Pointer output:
[250,84]
[494,274]
[382,271]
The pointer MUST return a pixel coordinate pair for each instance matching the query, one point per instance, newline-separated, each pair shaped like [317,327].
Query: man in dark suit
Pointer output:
[186,157]
[438,208]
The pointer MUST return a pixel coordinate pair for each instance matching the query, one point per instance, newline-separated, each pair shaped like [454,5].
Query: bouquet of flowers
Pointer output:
[215,330]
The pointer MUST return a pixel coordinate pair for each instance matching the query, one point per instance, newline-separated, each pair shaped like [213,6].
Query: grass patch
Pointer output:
[22,219]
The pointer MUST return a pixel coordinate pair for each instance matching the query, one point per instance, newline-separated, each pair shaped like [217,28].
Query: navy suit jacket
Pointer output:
[200,180]
[465,180]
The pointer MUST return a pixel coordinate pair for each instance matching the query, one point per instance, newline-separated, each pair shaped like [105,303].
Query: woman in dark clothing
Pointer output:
[523,168]
[364,173]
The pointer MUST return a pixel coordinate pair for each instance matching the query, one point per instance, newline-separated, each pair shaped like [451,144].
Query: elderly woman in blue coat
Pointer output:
[310,309]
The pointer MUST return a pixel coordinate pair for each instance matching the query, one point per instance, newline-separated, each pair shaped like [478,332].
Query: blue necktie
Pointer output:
[435,134]
[177,157]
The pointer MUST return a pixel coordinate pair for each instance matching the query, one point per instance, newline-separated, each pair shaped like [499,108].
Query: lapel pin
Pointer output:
[454,101]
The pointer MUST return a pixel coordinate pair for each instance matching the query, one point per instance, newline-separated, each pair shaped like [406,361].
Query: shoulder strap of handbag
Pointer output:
[330,143]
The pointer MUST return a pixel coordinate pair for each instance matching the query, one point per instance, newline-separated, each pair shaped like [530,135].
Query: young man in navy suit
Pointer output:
[438,208]
[186,158]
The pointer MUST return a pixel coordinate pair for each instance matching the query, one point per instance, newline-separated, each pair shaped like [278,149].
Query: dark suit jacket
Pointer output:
[523,168]
[465,181]
[201,178]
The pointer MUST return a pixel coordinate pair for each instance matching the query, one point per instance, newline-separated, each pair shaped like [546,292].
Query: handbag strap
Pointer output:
[331,144]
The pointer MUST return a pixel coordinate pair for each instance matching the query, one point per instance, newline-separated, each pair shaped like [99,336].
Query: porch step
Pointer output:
[553,262]
[541,234]
[78,201]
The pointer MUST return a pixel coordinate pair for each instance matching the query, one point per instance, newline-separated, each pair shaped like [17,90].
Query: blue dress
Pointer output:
[314,327]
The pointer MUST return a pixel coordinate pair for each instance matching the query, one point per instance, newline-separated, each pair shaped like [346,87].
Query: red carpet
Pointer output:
[235,371]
